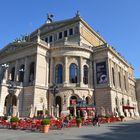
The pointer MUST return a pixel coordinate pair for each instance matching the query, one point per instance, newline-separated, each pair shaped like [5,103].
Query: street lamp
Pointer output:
[5,65]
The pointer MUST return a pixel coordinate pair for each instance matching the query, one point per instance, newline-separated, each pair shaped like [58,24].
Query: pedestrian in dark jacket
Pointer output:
[96,120]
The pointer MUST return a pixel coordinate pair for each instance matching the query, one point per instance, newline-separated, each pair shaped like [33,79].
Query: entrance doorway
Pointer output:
[58,102]
[10,106]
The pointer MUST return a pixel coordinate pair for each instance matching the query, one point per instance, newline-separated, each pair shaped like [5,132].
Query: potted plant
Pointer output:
[45,125]
[70,117]
[79,122]
[5,118]
[14,121]
[107,118]
[122,118]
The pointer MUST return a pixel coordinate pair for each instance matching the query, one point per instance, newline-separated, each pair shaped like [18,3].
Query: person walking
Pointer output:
[96,120]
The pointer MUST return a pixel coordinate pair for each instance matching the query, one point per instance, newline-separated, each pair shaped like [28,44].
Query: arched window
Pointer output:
[119,79]
[87,100]
[59,74]
[21,73]
[85,78]
[31,74]
[73,73]
[13,74]
[73,100]
[113,76]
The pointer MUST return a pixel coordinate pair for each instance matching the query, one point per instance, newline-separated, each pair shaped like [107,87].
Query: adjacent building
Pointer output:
[138,92]
[60,64]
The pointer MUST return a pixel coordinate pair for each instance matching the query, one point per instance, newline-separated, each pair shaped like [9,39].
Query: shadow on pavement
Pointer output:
[122,131]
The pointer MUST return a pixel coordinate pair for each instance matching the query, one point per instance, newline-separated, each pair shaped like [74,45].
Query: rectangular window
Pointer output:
[50,39]
[46,39]
[65,33]
[60,35]
[71,31]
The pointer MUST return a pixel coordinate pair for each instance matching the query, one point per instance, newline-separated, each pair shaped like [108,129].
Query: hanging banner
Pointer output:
[101,73]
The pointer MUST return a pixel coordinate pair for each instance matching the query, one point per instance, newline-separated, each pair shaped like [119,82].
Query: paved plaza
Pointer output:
[115,131]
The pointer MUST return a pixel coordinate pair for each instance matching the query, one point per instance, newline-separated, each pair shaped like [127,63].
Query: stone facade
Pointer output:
[138,92]
[72,55]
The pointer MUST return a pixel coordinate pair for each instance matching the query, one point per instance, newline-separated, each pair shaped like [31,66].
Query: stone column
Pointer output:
[90,75]
[26,71]
[17,113]
[109,71]
[16,71]
[52,71]
[57,111]
[47,71]
[81,72]
[65,71]
[127,83]
[52,111]
[116,75]
[121,111]
[5,75]
[122,81]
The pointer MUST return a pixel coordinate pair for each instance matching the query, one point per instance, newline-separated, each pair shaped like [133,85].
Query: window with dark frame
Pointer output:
[50,38]
[21,73]
[59,74]
[73,73]
[125,82]
[85,77]
[119,79]
[46,39]
[65,33]
[60,35]
[71,31]
[13,74]
[113,76]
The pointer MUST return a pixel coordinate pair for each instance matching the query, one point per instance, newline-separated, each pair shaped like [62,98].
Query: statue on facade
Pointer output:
[50,18]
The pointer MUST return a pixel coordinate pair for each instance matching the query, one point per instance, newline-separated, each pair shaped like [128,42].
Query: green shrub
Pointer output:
[14,119]
[45,122]
[5,117]
[70,117]
[78,120]
[46,112]
[107,116]
[83,118]
[121,116]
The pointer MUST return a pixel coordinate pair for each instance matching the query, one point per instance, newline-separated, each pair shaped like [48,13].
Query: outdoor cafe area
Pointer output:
[34,124]
[85,112]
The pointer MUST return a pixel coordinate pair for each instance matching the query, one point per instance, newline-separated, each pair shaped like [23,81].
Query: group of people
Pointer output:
[95,121]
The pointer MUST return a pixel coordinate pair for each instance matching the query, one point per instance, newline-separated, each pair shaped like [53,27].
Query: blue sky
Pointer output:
[117,21]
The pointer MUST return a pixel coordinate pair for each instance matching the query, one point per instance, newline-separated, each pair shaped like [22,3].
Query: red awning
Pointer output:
[86,108]
[128,107]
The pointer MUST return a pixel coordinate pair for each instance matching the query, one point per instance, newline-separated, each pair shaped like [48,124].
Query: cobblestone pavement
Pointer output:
[114,131]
